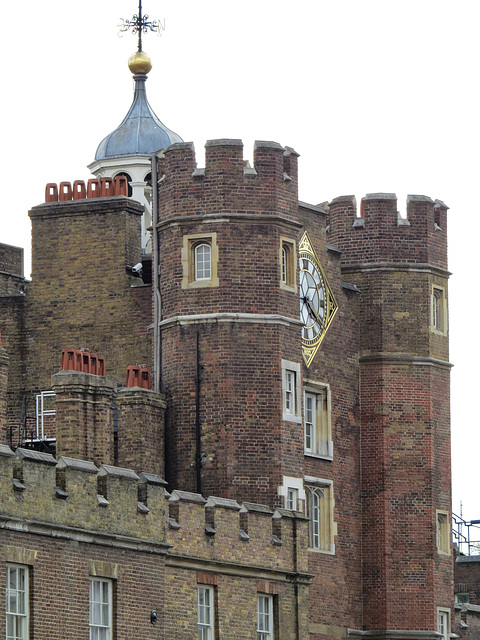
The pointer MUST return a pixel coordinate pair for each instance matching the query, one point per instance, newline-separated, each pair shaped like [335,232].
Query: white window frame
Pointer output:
[41,413]
[101,626]
[17,614]
[296,485]
[205,612]
[443,622]
[202,261]
[265,621]
[318,430]
[291,391]
[322,528]
[291,502]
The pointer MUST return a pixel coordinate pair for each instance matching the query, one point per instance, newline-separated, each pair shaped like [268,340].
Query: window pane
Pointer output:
[205,613]
[202,262]
[16,603]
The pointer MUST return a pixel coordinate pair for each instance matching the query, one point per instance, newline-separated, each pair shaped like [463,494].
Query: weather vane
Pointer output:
[141,24]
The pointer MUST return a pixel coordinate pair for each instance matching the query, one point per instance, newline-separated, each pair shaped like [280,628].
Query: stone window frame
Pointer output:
[190,243]
[291,391]
[288,264]
[106,626]
[443,532]
[22,595]
[206,628]
[322,528]
[321,441]
[439,310]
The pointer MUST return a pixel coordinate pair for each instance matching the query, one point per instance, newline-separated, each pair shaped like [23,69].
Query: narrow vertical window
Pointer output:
[315,518]
[284,265]
[310,423]
[205,613]
[290,392]
[100,609]
[17,603]
[203,261]
[264,617]
[288,262]
[438,310]
[443,532]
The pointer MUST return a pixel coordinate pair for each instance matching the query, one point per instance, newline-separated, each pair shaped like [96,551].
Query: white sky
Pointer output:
[375,95]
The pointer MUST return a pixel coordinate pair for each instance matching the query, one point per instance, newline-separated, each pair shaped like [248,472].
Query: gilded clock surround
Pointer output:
[317,302]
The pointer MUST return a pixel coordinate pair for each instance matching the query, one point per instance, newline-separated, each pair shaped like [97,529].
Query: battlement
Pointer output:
[227,184]
[72,494]
[379,234]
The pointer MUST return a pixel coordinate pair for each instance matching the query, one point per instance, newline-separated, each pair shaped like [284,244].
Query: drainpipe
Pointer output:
[157,299]
[198,435]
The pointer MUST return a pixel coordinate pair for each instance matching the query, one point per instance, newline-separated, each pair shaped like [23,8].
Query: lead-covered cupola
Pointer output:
[141,133]
[127,149]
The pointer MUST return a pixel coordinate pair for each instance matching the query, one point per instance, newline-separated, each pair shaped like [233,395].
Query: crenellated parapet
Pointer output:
[227,184]
[220,528]
[71,498]
[377,233]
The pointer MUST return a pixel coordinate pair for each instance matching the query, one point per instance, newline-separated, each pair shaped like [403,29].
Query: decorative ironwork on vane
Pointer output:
[141,24]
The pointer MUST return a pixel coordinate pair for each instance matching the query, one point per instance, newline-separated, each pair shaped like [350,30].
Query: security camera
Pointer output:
[137,268]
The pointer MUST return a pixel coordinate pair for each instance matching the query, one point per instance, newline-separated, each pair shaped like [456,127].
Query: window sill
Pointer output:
[319,456]
[288,417]
[324,551]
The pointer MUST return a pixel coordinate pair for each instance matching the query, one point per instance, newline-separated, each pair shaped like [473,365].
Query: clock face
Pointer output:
[317,302]
[312,301]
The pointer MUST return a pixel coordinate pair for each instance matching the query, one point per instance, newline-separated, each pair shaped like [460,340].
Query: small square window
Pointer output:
[291,502]
[199,260]
[288,263]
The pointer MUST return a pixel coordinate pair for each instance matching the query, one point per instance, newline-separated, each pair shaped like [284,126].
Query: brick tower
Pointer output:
[400,267]
[225,331]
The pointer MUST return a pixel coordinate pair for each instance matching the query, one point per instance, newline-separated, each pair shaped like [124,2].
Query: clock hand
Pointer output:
[311,311]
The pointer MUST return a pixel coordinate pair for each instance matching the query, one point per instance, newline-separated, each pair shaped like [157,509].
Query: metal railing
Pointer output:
[466,535]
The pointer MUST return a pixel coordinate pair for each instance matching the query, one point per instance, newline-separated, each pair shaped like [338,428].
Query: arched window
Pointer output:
[320,515]
[203,261]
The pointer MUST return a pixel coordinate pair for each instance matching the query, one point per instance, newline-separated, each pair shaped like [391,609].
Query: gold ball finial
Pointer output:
[139,62]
